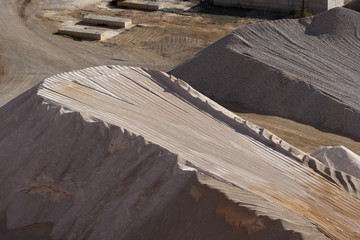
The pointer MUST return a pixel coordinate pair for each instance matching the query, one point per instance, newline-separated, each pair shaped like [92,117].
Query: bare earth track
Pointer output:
[30,52]
[306,137]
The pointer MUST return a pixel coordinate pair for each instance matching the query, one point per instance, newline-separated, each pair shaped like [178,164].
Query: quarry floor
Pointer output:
[30,51]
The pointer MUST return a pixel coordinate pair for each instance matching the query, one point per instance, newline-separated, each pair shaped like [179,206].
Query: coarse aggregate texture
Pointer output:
[339,157]
[122,152]
[303,69]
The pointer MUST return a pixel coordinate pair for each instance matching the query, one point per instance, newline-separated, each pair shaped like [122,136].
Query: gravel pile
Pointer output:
[303,69]
[116,152]
[340,158]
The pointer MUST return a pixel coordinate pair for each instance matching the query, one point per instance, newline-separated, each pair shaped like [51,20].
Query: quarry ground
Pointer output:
[30,51]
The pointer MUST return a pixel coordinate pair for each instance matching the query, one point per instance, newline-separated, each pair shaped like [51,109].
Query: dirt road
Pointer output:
[29,54]
[30,50]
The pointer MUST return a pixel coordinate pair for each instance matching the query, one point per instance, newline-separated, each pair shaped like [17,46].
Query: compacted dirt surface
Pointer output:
[306,137]
[29,53]
[31,49]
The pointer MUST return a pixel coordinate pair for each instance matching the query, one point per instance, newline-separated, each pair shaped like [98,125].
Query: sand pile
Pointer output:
[340,158]
[128,153]
[303,69]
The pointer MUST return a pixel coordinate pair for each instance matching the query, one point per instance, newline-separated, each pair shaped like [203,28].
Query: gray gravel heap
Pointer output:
[303,69]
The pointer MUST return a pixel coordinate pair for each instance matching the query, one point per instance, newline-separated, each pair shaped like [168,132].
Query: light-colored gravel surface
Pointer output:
[340,158]
[80,131]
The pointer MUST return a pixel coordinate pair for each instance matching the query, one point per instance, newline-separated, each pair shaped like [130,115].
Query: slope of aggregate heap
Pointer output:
[117,152]
[304,69]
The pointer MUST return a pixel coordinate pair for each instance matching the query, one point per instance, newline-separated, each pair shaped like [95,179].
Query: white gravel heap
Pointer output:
[340,158]
[117,152]
[303,69]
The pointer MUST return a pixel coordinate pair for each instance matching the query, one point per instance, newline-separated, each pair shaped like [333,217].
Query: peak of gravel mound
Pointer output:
[127,153]
[339,22]
[340,158]
[306,70]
